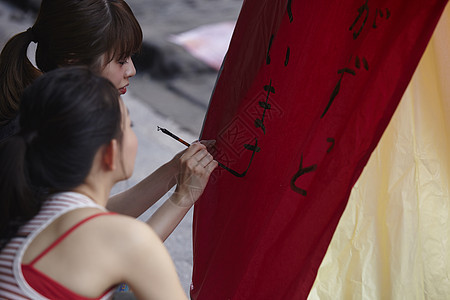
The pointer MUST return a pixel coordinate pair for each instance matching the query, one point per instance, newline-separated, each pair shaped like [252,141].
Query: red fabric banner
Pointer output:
[305,93]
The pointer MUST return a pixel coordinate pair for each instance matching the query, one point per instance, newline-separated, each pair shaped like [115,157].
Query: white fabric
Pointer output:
[393,240]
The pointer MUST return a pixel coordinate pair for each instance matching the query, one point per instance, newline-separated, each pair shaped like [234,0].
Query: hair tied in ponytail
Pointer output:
[32,34]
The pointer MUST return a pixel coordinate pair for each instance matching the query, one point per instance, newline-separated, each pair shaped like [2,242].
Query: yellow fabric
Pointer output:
[393,240]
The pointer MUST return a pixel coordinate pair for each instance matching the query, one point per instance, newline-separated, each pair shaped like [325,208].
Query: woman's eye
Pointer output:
[122,62]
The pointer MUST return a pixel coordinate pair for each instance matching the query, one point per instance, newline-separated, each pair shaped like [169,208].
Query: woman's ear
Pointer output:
[110,157]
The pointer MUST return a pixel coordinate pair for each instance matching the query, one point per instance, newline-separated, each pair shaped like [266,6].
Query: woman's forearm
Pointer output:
[190,169]
[166,218]
[136,200]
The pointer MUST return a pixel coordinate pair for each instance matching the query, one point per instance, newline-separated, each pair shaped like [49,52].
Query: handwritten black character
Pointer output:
[380,13]
[301,171]
[259,123]
[358,63]
[342,71]
[288,52]
[289,11]
[268,50]
[332,141]
[337,88]
[254,148]
[361,10]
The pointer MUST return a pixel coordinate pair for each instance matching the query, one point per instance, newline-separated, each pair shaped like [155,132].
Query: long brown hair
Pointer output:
[67,32]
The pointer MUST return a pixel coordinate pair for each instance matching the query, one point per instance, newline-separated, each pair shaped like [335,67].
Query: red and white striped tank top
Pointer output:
[12,282]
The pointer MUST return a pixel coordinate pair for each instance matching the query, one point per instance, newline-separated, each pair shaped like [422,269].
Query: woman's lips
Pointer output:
[123,90]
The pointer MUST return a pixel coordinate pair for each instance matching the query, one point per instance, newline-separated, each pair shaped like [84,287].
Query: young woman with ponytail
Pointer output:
[102,35]
[57,240]
[94,33]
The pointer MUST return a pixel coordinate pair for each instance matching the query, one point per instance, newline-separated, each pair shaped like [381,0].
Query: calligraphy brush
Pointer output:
[163,130]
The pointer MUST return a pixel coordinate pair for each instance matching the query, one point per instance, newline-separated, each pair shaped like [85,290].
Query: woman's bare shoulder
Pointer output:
[111,226]
[111,230]
[131,252]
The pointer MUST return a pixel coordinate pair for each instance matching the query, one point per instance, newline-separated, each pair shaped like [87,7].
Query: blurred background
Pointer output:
[184,45]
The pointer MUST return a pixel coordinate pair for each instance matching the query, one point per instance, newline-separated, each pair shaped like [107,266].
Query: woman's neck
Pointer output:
[99,193]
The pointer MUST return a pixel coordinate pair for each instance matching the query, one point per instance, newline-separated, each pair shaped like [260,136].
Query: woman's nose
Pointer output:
[131,70]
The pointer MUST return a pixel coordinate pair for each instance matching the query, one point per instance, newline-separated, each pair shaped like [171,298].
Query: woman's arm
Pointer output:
[166,218]
[136,200]
[190,168]
[144,263]
[196,165]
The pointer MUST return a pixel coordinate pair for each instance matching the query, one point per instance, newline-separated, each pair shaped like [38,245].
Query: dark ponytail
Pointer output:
[16,73]
[66,115]
[17,203]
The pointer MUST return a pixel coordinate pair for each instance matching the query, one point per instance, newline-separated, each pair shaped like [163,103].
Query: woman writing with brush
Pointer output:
[102,35]
[57,239]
